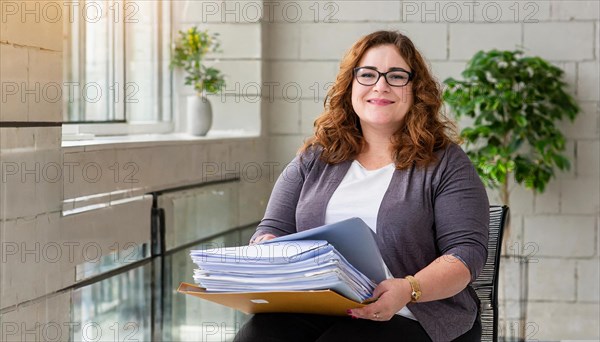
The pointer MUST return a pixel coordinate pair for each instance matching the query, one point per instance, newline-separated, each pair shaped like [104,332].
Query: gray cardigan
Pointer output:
[427,212]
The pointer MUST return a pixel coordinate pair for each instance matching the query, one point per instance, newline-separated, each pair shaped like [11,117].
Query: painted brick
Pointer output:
[570,40]
[597,50]
[330,12]
[569,153]
[499,36]
[510,283]
[516,12]
[580,196]
[34,269]
[431,39]
[282,149]
[47,138]
[13,68]
[236,112]
[521,200]
[33,183]
[569,76]
[575,10]
[90,173]
[45,76]
[237,40]
[43,320]
[101,227]
[588,88]
[478,12]
[296,80]
[284,117]
[545,283]
[33,23]
[560,236]
[588,159]
[281,41]
[588,280]
[214,12]
[309,111]
[586,125]
[331,41]
[512,246]
[357,10]
[241,77]
[578,321]
[548,202]
[23,138]
[253,198]
[443,70]
[157,167]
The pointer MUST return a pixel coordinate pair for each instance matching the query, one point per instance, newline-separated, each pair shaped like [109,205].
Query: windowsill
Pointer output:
[148,140]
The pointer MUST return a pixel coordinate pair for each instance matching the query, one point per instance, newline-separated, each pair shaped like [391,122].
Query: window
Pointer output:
[117,65]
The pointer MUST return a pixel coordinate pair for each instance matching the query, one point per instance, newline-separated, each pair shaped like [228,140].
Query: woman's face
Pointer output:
[381,106]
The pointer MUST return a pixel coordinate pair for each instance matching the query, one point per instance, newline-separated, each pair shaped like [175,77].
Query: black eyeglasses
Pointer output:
[397,77]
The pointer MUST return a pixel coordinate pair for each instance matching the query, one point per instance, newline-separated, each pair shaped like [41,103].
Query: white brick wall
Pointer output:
[577,235]
[587,280]
[323,42]
[34,24]
[505,36]
[552,286]
[45,72]
[558,228]
[553,321]
[580,197]
[586,125]
[587,85]
[575,10]
[587,158]
[13,68]
[281,41]
[430,39]
[570,41]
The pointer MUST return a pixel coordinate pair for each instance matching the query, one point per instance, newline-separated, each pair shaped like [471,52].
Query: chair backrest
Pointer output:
[486,285]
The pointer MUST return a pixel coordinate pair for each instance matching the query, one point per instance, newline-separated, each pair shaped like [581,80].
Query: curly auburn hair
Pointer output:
[424,129]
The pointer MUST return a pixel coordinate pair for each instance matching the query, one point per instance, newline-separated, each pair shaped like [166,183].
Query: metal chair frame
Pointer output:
[486,285]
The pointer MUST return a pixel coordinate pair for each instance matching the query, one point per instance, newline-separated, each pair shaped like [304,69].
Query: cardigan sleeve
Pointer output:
[280,215]
[461,210]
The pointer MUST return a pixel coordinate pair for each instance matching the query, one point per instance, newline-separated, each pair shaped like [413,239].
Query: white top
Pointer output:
[359,195]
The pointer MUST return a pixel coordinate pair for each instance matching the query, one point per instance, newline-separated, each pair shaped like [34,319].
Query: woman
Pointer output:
[382,152]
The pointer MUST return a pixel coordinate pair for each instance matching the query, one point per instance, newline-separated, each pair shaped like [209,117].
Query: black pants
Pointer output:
[282,327]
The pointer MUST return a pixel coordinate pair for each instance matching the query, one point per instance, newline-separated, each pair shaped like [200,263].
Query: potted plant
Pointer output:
[189,50]
[515,102]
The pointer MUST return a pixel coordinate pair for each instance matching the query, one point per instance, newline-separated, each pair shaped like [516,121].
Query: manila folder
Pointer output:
[325,302]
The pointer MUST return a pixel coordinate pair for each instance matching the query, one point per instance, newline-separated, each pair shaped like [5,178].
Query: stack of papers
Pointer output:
[280,266]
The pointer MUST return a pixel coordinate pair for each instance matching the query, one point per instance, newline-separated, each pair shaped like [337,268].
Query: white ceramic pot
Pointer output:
[199,115]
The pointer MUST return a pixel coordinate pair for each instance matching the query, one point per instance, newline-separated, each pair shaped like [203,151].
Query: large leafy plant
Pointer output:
[190,49]
[516,103]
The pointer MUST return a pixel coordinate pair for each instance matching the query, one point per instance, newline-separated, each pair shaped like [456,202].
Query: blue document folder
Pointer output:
[353,239]
[324,270]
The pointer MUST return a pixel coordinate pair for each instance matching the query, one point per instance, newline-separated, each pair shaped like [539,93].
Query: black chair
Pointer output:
[486,285]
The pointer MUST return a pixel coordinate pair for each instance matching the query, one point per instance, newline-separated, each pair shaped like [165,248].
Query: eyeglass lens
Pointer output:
[395,78]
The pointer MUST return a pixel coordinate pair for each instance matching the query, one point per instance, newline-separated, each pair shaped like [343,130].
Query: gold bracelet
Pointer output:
[415,288]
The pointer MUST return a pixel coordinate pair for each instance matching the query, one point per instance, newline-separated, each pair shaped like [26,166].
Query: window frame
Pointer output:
[118,67]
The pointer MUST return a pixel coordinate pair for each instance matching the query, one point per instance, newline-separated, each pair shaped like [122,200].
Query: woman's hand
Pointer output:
[392,294]
[263,238]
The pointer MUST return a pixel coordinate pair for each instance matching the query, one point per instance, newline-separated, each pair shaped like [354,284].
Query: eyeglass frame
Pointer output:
[411,76]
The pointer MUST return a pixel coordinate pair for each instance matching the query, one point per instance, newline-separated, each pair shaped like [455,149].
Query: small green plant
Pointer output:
[190,49]
[515,102]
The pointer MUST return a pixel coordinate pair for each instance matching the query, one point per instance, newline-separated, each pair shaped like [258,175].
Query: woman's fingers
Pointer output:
[263,238]
[373,312]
